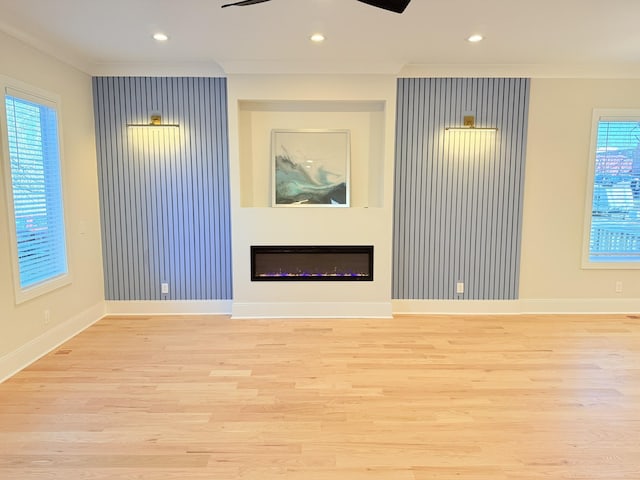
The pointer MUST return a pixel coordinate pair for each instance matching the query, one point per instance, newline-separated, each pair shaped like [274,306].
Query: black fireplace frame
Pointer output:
[311,249]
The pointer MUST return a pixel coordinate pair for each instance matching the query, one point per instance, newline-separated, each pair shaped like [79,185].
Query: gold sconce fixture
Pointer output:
[469,124]
[155,121]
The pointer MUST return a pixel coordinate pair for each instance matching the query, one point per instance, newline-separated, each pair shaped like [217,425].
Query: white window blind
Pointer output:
[34,155]
[614,236]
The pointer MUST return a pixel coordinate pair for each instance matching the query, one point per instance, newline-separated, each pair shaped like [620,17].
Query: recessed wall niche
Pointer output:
[364,119]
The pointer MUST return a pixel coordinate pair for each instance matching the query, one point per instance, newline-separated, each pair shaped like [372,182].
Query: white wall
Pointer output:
[555,183]
[552,279]
[554,204]
[368,222]
[23,332]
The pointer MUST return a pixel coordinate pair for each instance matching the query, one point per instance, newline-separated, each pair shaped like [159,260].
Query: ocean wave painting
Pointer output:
[310,167]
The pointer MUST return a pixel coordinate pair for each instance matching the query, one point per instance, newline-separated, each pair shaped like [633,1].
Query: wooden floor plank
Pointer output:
[410,398]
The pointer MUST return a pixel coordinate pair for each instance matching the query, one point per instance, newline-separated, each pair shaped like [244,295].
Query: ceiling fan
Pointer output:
[396,6]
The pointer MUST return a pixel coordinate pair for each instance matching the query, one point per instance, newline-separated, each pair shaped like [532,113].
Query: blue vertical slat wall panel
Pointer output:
[458,195]
[164,192]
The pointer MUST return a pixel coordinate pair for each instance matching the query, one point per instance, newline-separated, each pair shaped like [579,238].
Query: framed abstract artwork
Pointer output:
[310,168]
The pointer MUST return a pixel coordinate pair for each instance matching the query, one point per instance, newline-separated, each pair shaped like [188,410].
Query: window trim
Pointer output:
[9,86]
[601,114]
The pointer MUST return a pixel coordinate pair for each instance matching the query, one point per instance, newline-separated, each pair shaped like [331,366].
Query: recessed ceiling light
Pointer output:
[317,38]
[160,37]
[475,38]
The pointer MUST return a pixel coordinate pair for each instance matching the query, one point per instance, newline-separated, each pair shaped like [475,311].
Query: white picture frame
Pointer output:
[310,168]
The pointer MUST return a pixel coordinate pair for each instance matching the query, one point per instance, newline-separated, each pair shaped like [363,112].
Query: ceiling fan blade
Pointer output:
[244,3]
[396,6]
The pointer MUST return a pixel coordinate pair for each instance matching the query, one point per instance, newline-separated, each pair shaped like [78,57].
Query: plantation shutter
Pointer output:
[37,189]
[615,223]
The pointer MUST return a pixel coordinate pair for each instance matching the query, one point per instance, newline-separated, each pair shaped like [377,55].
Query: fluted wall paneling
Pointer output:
[458,195]
[164,192]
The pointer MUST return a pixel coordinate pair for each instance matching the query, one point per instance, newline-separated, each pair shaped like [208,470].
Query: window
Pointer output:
[613,203]
[31,154]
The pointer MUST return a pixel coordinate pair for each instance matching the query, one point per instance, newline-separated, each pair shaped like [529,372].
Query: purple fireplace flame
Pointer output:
[312,263]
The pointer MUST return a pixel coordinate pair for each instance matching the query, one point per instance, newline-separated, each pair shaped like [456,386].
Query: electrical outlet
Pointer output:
[618,286]
[47,317]
[460,287]
[164,288]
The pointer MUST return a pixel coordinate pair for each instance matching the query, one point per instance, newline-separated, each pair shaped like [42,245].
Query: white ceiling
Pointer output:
[532,38]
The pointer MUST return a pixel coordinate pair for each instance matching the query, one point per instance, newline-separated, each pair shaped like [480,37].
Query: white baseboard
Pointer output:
[14,361]
[170,307]
[515,307]
[581,305]
[454,307]
[312,310]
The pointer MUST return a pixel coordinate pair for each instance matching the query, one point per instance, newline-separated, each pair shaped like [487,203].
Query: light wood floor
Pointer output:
[413,398]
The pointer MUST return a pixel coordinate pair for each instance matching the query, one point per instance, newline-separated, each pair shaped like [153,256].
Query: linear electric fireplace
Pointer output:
[312,263]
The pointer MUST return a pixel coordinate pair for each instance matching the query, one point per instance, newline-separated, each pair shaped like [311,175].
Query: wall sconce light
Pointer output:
[469,124]
[155,121]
